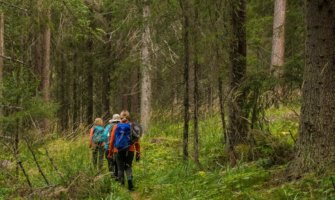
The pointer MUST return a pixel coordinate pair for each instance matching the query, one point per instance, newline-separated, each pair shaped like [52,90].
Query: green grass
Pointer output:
[162,174]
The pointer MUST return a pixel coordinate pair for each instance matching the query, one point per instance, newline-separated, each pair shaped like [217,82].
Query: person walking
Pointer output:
[111,162]
[96,143]
[122,143]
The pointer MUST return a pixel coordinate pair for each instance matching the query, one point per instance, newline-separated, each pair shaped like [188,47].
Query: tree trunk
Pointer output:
[134,91]
[46,59]
[2,53]
[145,70]
[196,81]
[185,6]
[237,123]
[315,148]
[63,93]
[278,42]
[222,110]
[106,92]
[90,100]
[75,93]
[42,55]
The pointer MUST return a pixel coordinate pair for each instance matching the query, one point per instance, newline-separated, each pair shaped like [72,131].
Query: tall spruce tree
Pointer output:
[316,142]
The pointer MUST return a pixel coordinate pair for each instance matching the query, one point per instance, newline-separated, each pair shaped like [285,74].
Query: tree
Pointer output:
[2,53]
[278,42]
[42,52]
[237,122]
[90,83]
[196,67]
[145,69]
[46,58]
[315,148]
[185,12]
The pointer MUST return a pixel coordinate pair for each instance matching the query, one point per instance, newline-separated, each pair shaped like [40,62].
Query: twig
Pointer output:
[36,162]
[25,174]
[13,59]
[35,125]
[72,182]
[14,107]
[331,178]
[14,6]
[6,137]
[294,140]
[53,165]
[6,145]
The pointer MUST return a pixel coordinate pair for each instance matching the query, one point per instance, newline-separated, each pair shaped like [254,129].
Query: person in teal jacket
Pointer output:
[97,143]
[112,167]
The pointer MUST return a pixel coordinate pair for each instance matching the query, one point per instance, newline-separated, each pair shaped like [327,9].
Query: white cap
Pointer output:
[116,118]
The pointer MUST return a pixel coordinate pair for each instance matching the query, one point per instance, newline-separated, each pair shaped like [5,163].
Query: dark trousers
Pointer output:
[112,166]
[124,160]
[98,156]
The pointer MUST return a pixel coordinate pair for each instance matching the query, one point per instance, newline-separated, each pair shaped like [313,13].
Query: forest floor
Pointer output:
[161,173]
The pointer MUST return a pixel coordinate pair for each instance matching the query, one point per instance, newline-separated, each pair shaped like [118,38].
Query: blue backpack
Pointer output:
[98,132]
[122,136]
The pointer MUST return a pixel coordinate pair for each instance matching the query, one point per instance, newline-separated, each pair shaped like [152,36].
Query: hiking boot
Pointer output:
[130,185]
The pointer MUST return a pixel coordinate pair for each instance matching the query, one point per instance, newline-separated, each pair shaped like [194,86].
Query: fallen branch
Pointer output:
[36,162]
[14,107]
[13,59]
[25,174]
[72,182]
[294,140]
[14,6]
[53,165]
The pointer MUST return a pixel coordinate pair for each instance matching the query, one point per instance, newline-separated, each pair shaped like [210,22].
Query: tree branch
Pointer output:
[13,59]
[14,6]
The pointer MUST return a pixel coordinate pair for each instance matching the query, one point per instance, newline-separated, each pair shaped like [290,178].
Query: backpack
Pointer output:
[107,130]
[98,132]
[136,132]
[122,136]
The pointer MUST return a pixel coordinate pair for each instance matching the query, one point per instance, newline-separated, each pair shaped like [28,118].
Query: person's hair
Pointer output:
[124,115]
[98,122]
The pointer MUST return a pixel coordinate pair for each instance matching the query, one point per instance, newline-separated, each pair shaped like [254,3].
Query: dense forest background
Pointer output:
[235,97]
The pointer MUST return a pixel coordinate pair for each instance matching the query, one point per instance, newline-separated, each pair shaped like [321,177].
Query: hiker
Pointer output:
[111,162]
[96,143]
[123,143]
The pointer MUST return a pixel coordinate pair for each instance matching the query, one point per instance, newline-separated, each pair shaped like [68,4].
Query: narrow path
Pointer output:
[135,195]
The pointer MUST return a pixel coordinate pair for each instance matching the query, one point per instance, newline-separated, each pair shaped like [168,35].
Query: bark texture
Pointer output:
[90,82]
[42,53]
[278,38]
[186,25]
[145,70]
[2,53]
[315,147]
[237,122]
[46,59]
[196,82]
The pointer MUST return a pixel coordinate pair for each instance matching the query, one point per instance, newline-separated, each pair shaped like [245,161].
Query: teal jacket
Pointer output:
[106,135]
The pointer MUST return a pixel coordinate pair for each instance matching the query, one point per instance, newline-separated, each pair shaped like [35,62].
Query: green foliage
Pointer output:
[161,173]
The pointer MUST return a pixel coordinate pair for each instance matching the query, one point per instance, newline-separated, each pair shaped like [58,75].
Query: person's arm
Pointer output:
[138,150]
[91,137]
[111,142]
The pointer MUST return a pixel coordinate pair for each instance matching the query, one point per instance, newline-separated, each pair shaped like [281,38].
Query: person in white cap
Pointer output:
[112,167]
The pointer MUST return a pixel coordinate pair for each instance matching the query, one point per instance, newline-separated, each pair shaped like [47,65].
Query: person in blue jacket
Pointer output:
[111,162]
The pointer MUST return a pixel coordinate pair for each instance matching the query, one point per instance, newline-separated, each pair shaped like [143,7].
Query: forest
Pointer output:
[235,99]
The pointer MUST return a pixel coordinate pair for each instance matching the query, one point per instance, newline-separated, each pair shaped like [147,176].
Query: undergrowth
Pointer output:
[162,174]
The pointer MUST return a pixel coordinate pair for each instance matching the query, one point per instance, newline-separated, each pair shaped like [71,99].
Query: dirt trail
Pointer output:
[136,195]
